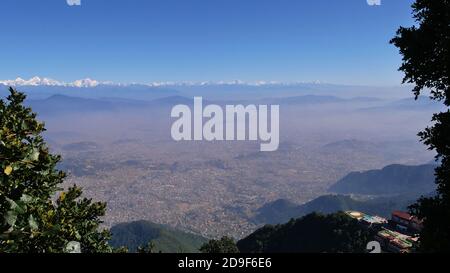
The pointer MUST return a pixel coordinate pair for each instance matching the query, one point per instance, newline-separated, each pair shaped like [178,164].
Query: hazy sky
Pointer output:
[198,40]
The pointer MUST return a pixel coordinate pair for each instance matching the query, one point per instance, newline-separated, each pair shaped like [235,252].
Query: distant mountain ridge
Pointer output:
[64,102]
[282,210]
[316,99]
[41,87]
[391,180]
[394,187]
[408,104]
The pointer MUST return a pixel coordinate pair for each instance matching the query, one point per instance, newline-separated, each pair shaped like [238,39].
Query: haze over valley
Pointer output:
[116,144]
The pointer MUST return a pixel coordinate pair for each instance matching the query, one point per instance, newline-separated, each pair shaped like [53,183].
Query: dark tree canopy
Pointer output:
[33,217]
[313,233]
[224,245]
[425,49]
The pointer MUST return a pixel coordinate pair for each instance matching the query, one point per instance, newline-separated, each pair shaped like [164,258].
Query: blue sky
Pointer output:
[203,40]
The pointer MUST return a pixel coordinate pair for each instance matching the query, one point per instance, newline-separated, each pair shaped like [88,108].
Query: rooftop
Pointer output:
[406,216]
[374,219]
[355,214]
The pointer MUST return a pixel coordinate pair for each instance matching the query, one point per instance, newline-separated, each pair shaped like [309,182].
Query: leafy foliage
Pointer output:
[425,49]
[147,249]
[313,233]
[224,245]
[31,220]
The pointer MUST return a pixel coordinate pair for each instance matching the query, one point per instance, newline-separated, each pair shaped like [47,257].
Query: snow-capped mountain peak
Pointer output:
[37,81]
[34,81]
[85,83]
[88,82]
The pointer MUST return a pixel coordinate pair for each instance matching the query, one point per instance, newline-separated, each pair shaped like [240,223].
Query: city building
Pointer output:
[393,241]
[367,220]
[405,222]
[398,235]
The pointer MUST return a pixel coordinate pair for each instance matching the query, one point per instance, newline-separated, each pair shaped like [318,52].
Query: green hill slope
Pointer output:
[313,233]
[166,239]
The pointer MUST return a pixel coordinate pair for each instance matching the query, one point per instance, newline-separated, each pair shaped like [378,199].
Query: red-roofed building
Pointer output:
[406,222]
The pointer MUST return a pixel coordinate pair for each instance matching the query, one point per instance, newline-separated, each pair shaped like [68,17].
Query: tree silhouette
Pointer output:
[224,245]
[425,49]
[33,218]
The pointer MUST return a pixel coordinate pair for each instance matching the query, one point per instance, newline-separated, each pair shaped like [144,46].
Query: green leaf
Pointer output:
[34,155]
[15,207]
[11,217]
[12,203]
[24,125]
[26,198]
[32,223]
[73,247]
